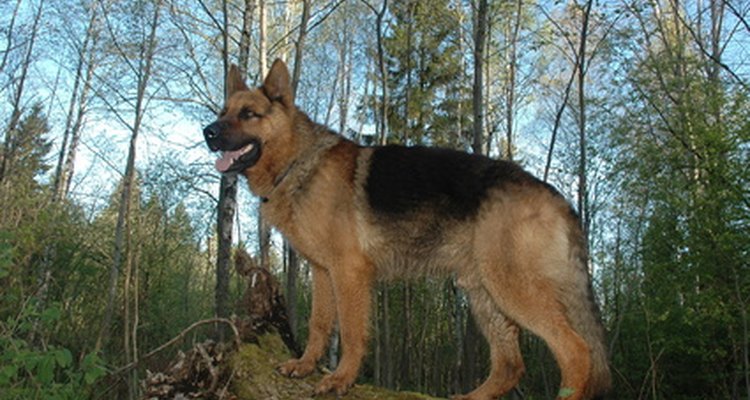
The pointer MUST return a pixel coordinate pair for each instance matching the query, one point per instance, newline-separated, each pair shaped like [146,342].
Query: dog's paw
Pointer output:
[296,368]
[335,383]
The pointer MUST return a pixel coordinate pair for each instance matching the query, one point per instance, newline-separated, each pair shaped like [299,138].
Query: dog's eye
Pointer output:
[246,113]
[223,112]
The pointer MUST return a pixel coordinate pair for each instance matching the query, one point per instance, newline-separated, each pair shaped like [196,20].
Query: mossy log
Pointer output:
[255,377]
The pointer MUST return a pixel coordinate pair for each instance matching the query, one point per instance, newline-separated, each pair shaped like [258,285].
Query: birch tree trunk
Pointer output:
[120,252]
[382,126]
[264,231]
[245,36]
[299,46]
[511,82]
[226,208]
[583,208]
[76,108]
[480,31]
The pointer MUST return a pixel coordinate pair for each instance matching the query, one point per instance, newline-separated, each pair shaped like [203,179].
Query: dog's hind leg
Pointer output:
[502,335]
[321,324]
[534,304]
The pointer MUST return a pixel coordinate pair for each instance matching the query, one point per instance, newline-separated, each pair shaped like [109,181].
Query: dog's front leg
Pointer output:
[352,285]
[321,323]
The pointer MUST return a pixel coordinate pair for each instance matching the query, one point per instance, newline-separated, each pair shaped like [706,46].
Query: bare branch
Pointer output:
[737,14]
[711,56]
[176,339]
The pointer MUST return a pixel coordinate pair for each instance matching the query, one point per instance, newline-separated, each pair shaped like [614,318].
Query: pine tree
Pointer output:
[27,150]
[424,61]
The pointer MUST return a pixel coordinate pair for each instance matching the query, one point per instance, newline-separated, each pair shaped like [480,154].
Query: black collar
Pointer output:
[279,179]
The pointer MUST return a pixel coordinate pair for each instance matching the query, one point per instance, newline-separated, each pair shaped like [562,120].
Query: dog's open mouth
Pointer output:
[240,159]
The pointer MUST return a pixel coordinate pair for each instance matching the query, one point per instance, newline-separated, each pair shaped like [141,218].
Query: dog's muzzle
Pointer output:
[212,134]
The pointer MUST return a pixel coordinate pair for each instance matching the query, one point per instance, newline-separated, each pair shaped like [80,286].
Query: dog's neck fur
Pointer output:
[310,142]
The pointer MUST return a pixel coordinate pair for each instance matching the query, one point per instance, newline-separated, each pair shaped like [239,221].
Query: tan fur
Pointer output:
[520,259]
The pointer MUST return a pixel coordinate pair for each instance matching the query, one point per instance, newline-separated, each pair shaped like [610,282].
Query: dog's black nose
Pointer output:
[212,131]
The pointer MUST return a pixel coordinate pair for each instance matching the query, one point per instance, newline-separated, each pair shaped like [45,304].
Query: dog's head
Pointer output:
[252,122]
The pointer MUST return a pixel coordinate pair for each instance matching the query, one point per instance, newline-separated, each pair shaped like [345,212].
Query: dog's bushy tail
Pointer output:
[583,313]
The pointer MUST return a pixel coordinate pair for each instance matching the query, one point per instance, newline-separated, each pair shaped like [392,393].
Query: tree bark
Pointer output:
[245,36]
[299,46]
[345,59]
[566,96]
[480,31]
[264,231]
[123,214]
[262,41]
[76,109]
[292,257]
[9,35]
[582,182]
[511,85]
[291,287]
[226,209]
[382,126]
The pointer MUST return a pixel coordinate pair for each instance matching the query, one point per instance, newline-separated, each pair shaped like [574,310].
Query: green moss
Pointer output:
[255,377]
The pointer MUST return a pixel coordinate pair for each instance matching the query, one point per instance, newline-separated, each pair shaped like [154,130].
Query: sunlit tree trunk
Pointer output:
[480,34]
[227,206]
[510,86]
[583,207]
[120,252]
[76,108]
[382,124]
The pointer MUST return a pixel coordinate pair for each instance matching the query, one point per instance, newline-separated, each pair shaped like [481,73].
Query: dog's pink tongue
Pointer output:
[222,164]
[227,159]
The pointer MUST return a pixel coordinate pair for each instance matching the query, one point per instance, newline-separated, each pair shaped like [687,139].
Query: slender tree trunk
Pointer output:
[69,167]
[246,36]
[9,35]
[136,322]
[292,257]
[345,59]
[378,367]
[262,40]
[459,312]
[577,70]
[480,30]
[291,287]
[299,46]
[412,10]
[76,109]
[132,376]
[226,209]
[123,215]
[332,96]
[382,127]
[742,305]
[333,350]
[582,182]
[511,85]
[407,342]
[264,231]
[387,341]
[471,354]
[383,81]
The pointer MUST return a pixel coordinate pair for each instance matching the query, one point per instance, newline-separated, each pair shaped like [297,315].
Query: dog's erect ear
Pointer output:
[277,86]
[235,81]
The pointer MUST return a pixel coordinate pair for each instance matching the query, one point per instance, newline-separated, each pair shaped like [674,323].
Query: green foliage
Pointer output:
[682,159]
[27,149]
[428,101]
[29,371]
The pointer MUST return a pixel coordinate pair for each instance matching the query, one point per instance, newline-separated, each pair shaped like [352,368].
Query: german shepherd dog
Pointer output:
[360,214]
